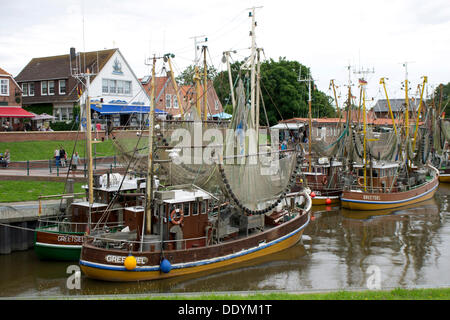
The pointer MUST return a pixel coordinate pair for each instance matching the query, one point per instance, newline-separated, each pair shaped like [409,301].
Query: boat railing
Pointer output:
[63,224]
[128,241]
[386,189]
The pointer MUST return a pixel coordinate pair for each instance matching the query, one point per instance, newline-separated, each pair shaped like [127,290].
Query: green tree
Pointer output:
[187,76]
[442,103]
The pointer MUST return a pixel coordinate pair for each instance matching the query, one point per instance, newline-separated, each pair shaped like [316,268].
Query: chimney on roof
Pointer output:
[72,53]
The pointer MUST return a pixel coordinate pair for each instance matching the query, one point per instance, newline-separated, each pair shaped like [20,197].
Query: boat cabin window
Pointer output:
[186,209]
[194,206]
[204,207]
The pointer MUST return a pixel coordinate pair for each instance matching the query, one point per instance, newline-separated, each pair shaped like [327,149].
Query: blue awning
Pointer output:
[123,109]
[222,115]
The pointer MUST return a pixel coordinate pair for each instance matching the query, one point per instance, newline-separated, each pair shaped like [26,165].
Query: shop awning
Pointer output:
[123,109]
[14,112]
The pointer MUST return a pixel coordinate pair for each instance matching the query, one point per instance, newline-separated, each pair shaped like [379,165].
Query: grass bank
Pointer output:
[43,150]
[15,191]
[396,294]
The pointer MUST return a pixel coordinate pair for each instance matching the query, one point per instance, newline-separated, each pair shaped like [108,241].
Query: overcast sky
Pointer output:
[325,35]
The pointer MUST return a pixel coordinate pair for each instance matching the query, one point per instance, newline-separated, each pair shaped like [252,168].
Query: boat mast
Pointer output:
[149,183]
[230,78]
[89,142]
[425,79]
[335,99]
[389,105]
[258,90]
[252,68]
[406,104]
[309,80]
[174,83]
[205,90]
[364,133]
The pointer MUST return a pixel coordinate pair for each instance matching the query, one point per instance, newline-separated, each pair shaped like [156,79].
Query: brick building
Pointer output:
[11,112]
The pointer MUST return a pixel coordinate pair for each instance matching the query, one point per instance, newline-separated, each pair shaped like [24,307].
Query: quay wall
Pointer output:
[17,222]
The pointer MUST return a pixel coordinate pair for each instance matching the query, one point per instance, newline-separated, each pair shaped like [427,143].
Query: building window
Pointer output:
[4,87]
[62,86]
[216,105]
[168,101]
[43,88]
[24,89]
[31,89]
[127,87]
[175,102]
[51,87]
[119,87]
[112,86]
[105,86]
[116,87]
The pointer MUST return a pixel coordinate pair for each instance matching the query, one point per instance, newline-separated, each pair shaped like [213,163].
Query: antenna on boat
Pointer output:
[309,80]
[196,47]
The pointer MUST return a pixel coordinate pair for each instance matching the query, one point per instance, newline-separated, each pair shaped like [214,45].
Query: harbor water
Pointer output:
[340,249]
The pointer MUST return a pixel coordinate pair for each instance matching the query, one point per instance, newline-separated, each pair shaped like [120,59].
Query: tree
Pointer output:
[187,76]
[442,103]
[284,96]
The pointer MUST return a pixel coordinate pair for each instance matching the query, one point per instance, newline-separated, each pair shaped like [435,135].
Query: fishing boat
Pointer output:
[324,180]
[186,229]
[383,184]
[388,188]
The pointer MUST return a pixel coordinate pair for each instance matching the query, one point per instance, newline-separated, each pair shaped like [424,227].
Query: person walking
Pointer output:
[6,158]
[75,160]
[62,156]
[56,156]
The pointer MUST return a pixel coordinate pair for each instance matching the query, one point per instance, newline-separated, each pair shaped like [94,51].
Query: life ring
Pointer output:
[174,213]
[324,180]
[361,181]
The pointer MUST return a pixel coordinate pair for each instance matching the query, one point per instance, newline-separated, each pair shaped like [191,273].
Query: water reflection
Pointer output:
[409,245]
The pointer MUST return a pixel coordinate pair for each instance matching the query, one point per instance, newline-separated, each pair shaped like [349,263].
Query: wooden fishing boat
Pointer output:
[194,238]
[387,190]
[61,237]
[444,174]
[324,181]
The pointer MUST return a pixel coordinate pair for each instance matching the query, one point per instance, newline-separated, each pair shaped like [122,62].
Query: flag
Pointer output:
[362,82]
[79,91]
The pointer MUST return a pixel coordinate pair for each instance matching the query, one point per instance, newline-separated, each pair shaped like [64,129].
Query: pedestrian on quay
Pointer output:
[5,158]
[56,156]
[62,156]
[75,160]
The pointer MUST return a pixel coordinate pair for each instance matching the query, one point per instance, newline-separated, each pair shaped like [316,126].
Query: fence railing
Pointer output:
[54,167]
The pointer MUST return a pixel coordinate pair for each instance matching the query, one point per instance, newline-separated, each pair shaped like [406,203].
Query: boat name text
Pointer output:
[370,197]
[70,238]
[121,259]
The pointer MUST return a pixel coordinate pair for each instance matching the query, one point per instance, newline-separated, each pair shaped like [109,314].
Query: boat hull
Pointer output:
[322,200]
[444,175]
[93,261]
[354,200]
[60,246]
